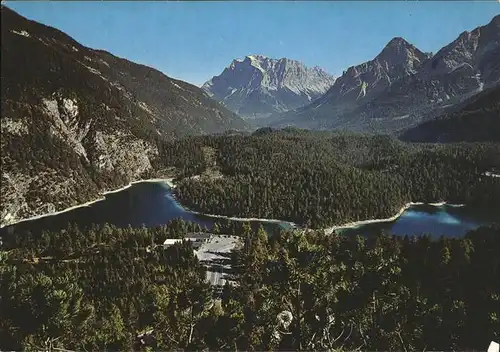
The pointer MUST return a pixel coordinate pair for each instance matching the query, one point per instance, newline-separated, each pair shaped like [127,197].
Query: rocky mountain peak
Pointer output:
[397,47]
[396,60]
[398,42]
[258,85]
[475,51]
[402,85]
[400,54]
[256,57]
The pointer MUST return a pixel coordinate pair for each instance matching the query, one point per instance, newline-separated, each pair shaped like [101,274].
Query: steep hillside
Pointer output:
[76,121]
[398,59]
[258,86]
[478,120]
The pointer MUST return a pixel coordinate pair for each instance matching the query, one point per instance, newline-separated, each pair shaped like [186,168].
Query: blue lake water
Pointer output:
[152,204]
[446,220]
[149,204]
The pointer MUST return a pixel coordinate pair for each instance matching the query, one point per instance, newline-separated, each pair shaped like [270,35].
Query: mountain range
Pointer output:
[77,121]
[403,86]
[258,86]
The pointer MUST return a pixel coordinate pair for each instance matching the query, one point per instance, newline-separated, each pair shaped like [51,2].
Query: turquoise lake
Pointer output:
[152,204]
[436,221]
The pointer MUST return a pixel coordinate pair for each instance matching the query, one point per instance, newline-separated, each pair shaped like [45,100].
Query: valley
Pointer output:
[78,121]
[274,206]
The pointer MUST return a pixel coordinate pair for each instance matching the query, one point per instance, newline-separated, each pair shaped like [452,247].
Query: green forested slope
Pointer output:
[97,289]
[324,179]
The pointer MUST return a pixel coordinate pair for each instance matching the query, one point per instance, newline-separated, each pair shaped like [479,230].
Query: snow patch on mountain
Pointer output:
[22,33]
[258,85]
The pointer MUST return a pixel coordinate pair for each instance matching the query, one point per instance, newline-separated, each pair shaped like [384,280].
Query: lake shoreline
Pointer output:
[231,218]
[328,230]
[227,217]
[168,181]
[354,224]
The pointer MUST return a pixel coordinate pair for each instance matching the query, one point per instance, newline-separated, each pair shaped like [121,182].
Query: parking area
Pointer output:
[215,255]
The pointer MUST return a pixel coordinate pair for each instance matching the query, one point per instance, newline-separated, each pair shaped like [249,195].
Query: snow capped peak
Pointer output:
[256,57]
[283,81]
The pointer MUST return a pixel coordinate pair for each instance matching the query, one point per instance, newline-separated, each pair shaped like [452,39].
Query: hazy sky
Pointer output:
[194,41]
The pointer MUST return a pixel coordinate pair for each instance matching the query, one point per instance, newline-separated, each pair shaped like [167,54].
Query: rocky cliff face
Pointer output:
[77,121]
[257,86]
[398,59]
[402,86]
[463,68]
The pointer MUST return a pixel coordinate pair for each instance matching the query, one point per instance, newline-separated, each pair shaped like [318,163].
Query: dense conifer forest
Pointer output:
[109,288]
[320,179]
[100,288]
